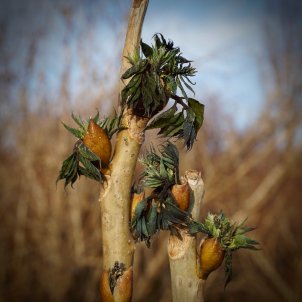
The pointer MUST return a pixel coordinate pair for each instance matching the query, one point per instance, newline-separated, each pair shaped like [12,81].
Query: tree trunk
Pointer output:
[117,242]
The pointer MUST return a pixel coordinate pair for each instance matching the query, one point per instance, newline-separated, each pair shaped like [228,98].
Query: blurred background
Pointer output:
[59,57]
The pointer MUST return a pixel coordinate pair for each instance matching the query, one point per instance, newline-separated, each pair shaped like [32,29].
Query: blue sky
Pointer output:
[223,38]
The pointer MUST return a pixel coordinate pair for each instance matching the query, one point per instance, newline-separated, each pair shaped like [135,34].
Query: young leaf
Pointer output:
[228,268]
[77,133]
[179,85]
[198,109]
[69,170]
[86,153]
[79,121]
[151,221]
[141,206]
[163,119]
[139,67]
[146,49]
[91,168]
[186,84]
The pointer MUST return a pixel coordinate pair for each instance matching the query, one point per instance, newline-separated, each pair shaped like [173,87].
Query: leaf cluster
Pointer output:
[155,76]
[162,169]
[110,124]
[83,161]
[230,235]
[180,124]
[159,211]
[153,215]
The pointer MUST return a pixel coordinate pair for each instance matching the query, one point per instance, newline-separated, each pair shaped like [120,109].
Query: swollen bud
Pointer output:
[181,194]
[211,256]
[105,291]
[97,140]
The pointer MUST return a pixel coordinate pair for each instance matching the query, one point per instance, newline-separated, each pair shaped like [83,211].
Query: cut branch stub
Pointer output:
[186,285]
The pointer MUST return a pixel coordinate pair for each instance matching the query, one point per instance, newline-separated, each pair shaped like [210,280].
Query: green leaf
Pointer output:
[182,60]
[171,85]
[162,169]
[145,232]
[195,227]
[187,85]
[157,40]
[141,206]
[96,117]
[91,169]
[146,49]
[77,133]
[69,170]
[87,153]
[111,124]
[189,133]
[198,109]
[147,98]
[151,222]
[139,67]
[163,119]
[135,57]
[188,79]
[228,268]
[78,121]
[179,85]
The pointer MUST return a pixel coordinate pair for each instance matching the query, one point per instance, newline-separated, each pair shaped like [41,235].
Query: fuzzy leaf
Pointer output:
[137,68]
[179,85]
[170,84]
[78,121]
[145,232]
[186,84]
[96,117]
[151,223]
[87,153]
[91,168]
[146,49]
[228,268]
[198,109]
[68,170]
[77,133]
[163,119]
[141,206]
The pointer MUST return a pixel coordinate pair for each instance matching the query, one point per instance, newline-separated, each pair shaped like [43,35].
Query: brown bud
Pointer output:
[211,256]
[105,292]
[181,194]
[123,289]
[97,140]
[136,198]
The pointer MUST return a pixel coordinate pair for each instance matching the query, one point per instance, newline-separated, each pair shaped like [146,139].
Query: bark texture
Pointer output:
[114,200]
[184,267]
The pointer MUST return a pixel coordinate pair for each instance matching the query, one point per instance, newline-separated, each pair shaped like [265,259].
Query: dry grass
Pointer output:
[50,238]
